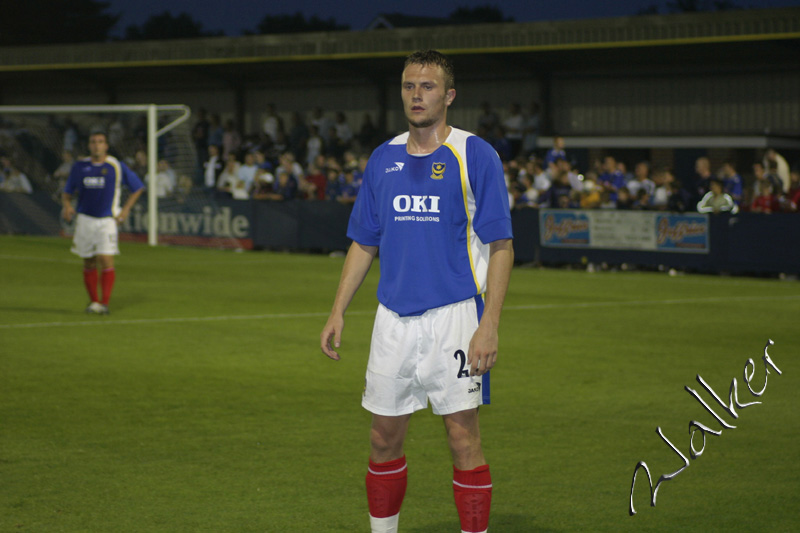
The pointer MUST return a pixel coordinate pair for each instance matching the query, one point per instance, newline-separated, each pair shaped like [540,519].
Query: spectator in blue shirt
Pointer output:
[612,179]
[556,152]
[284,188]
[732,181]
[349,188]
[333,187]
[500,143]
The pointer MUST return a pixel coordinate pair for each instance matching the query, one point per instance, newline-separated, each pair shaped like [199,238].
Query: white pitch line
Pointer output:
[105,322]
[718,299]
[42,259]
[102,321]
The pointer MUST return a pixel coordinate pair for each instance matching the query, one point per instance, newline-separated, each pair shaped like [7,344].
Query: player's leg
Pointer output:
[464,439]
[391,393]
[107,248]
[105,261]
[387,436]
[83,245]
[472,482]
[456,396]
[107,277]
[90,282]
[387,474]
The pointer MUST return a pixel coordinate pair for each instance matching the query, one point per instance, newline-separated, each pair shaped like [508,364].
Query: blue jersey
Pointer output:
[433,217]
[100,186]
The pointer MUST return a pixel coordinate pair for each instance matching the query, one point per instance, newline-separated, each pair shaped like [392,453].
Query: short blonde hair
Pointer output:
[434,57]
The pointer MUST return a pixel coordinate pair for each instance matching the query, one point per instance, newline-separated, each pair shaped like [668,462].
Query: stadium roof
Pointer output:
[683,43]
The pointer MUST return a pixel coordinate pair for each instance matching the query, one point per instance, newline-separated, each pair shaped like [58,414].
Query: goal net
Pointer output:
[42,142]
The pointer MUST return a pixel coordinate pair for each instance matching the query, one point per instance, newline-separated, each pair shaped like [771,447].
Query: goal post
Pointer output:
[153,132]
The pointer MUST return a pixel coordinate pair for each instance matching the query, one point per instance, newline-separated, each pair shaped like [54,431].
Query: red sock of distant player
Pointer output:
[107,283]
[473,492]
[386,488]
[90,280]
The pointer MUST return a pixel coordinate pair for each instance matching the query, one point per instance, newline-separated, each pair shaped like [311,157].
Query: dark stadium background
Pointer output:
[237,14]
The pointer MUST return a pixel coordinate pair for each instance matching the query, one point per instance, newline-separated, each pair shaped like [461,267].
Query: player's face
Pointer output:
[98,146]
[425,100]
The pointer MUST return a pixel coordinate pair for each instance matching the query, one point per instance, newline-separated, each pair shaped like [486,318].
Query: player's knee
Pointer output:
[386,442]
[381,439]
[464,443]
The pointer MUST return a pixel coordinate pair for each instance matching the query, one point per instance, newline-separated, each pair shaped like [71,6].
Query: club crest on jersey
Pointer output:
[438,171]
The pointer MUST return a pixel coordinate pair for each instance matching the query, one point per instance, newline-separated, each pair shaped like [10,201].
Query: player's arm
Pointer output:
[67,211]
[483,346]
[356,265]
[126,209]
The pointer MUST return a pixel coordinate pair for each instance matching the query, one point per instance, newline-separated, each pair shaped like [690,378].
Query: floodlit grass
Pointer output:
[202,403]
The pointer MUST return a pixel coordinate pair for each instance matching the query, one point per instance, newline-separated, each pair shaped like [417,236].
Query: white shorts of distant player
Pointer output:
[416,358]
[95,236]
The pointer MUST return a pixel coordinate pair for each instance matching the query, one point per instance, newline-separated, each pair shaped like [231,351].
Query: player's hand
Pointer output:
[123,215]
[68,212]
[331,337]
[482,350]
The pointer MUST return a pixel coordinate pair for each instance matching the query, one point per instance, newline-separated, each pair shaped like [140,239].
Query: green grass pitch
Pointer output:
[203,403]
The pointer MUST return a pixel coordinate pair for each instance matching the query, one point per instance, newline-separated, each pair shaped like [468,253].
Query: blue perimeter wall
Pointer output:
[743,243]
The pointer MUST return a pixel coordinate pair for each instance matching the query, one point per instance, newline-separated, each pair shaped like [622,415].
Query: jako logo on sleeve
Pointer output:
[397,168]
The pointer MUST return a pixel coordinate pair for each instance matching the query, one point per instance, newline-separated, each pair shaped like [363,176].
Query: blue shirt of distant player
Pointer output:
[99,187]
[433,218]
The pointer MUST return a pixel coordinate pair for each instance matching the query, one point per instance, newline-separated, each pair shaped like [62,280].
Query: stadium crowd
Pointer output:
[318,158]
[322,157]
[552,182]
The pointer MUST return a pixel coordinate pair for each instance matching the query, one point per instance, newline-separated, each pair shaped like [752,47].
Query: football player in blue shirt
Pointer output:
[434,201]
[98,182]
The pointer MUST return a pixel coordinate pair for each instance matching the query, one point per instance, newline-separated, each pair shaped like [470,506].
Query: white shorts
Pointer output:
[95,236]
[416,358]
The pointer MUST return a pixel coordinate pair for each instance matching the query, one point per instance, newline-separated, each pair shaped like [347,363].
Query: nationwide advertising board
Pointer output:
[225,225]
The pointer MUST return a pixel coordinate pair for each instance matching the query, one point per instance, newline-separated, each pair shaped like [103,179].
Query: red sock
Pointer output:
[90,280]
[386,487]
[473,493]
[107,282]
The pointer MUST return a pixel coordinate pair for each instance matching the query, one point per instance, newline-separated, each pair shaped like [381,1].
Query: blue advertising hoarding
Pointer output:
[625,230]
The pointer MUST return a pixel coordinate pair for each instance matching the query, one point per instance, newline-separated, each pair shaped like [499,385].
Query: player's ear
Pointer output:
[451,95]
